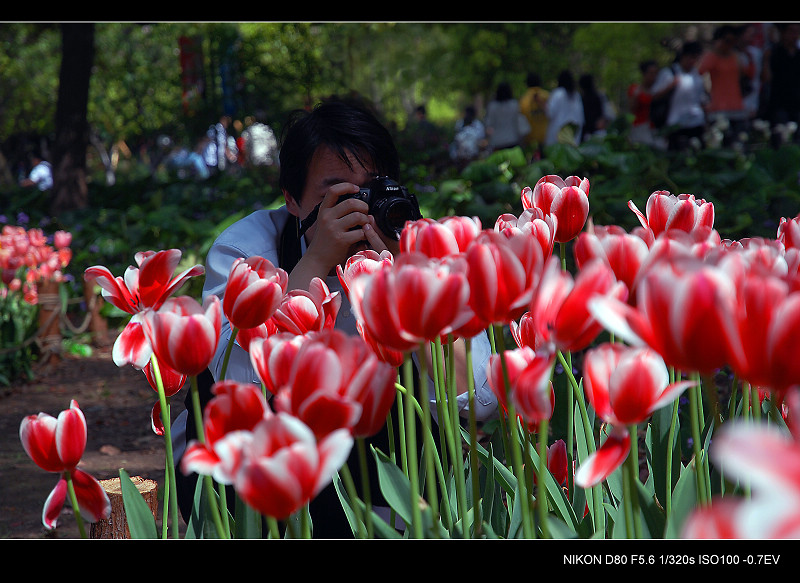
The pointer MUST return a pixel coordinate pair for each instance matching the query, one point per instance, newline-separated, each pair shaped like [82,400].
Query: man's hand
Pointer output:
[337,229]
[377,240]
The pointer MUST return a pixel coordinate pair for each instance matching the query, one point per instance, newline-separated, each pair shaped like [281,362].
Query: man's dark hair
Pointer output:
[347,128]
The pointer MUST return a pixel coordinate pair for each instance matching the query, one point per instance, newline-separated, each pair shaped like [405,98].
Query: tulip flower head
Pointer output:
[57,445]
[367,261]
[184,334]
[665,211]
[529,386]
[559,311]
[789,232]
[439,238]
[684,311]
[534,222]
[334,381]
[171,381]
[142,288]
[273,356]
[254,291]
[235,409]
[623,252]
[311,310]
[624,386]
[503,272]
[246,336]
[566,199]
[273,460]
[767,319]
[766,459]
[416,300]
[283,466]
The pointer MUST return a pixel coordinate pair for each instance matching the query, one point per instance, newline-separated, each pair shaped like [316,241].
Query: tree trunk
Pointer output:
[72,129]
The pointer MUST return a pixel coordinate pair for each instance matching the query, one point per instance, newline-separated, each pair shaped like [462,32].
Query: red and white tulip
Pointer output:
[57,445]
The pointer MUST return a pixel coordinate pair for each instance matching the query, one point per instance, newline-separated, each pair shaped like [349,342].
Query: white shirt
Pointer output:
[686,105]
[502,121]
[561,110]
[42,176]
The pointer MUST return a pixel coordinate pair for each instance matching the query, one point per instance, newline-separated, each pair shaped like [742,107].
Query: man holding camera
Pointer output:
[329,161]
[326,154]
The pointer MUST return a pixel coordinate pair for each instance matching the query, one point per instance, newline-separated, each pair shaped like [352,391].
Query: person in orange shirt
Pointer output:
[724,71]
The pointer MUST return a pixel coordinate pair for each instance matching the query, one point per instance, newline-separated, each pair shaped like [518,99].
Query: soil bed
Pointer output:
[117,404]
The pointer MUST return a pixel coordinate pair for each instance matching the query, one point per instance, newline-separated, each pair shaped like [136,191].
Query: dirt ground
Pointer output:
[116,402]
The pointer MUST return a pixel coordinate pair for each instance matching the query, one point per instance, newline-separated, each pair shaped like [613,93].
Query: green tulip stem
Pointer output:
[167,493]
[516,454]
[347,479]
[208,481]
[670,449]
[223,506]
[572,389]
[695,396]
[401,433]
[228,350]
[746,412]
[632,504]
[755,403]
[430,443]
[272,524]
[367,494]
[425,402]
[392,436]
[542,471]
[411,452]
[596,491]
[453,429]
[171,489]
[75,507]
[473,443]
[732,398]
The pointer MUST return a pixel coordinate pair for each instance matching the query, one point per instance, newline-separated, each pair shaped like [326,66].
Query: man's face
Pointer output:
[325,170]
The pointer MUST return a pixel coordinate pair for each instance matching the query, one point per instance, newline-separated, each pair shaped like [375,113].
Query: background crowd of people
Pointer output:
[746,73]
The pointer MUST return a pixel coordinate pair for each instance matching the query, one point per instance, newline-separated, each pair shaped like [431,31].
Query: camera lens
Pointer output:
[395,214]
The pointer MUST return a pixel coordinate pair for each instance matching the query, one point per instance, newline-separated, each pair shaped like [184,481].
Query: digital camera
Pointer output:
[390,203]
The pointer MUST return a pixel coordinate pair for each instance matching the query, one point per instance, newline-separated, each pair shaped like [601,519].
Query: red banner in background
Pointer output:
[192,78]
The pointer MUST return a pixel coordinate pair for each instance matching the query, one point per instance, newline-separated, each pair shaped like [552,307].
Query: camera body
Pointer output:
[391,204]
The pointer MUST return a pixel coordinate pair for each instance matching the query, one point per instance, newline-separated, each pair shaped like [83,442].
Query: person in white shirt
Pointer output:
[506,127]
[687,117]
[564,112]
[40,176]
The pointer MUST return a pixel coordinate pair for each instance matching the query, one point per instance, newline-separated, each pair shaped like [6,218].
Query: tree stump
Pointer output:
[98,326]
[116,525]
[49,322]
